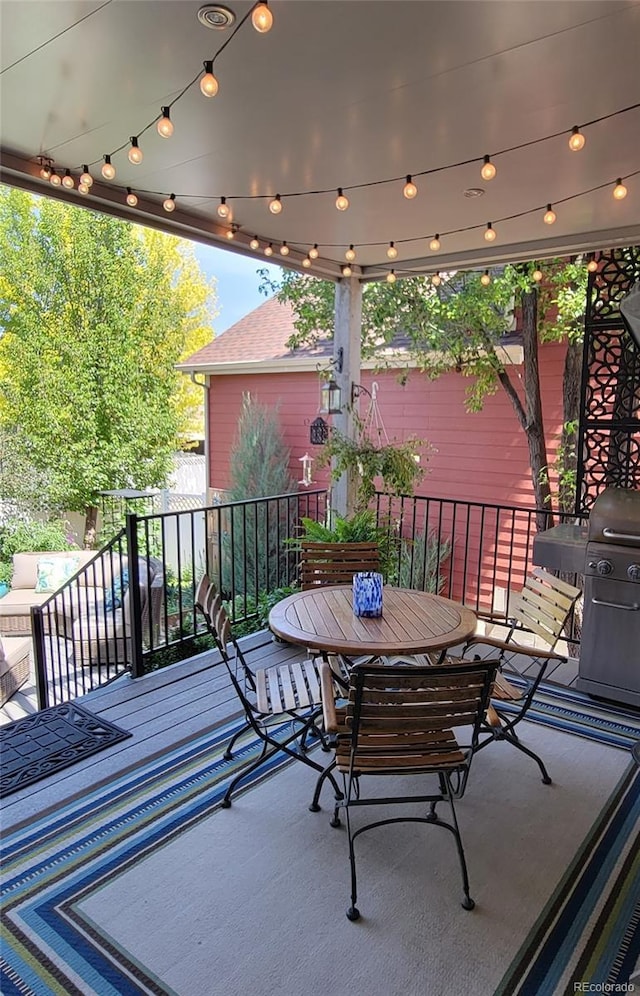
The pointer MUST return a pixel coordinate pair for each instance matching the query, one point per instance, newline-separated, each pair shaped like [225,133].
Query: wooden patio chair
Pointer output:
[270,697]
[335,563]
[400,721]
[543,608]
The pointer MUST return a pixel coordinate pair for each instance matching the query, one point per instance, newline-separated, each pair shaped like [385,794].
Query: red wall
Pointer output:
[478,457]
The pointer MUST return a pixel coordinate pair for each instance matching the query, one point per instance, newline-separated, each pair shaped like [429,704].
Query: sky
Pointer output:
[237,282]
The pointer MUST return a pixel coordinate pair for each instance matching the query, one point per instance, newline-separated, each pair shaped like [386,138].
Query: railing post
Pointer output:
[135,602]
[37,630]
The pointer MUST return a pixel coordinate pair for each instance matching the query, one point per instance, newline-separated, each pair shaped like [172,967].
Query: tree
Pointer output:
[94,315]
[459,326]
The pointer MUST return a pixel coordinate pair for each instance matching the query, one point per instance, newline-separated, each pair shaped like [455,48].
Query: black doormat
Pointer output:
[50,740]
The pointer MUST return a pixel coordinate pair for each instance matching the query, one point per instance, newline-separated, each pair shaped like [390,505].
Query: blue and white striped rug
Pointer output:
[587,931]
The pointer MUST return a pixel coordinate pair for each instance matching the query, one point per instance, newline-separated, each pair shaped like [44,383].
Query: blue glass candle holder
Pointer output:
[367,594]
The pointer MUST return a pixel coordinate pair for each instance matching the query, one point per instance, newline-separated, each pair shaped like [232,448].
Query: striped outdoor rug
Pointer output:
[587,931]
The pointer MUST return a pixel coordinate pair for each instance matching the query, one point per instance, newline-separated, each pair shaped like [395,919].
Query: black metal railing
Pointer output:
[472,552]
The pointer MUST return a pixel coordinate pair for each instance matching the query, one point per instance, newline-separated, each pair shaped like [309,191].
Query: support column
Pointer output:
[348,337]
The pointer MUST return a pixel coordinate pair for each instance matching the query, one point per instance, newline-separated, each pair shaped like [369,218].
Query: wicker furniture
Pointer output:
[15,654]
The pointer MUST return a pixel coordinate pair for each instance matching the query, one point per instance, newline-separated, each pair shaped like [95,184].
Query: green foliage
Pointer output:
[23,536]
[259,458]
[393,463]
[361,527]
[95,314]
[419,562]
[254,615]
[564,467]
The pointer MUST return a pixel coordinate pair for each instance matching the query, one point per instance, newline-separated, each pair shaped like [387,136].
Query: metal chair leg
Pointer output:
[228,754]
[315,802]
[353,913]
[467,902]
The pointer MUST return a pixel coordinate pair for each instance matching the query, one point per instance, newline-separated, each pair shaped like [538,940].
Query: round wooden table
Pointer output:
[412,622]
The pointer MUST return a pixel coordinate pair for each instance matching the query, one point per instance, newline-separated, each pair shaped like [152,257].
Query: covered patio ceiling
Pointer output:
[351,94]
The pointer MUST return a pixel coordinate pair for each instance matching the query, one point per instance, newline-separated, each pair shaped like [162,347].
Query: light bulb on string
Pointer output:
[262,18]
[275,205]
[135,152]
[86,177]
[132,199]
[306,262]
[314,252]
[537,276]
[392,252]
[170,203]
[576,139]
[254,244]
[231,233]
[268,251]
[620,191]
[436,279]
[346,271]
[223,208]
[165,124]
[409,190]
[45,169]
[83,188]
[284,249]
[488,170]
[549,215]
[67,180]
[485,279]
[108,169]
[55,179]
[391,277]
[490,233]
[592,265]
[434,245]
[208,84]
[350,254]
[342,202]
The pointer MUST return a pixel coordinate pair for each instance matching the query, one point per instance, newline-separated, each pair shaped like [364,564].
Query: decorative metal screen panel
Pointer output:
[609,441]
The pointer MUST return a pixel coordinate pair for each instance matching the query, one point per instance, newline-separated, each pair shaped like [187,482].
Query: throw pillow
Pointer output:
[114,594]
[53,572]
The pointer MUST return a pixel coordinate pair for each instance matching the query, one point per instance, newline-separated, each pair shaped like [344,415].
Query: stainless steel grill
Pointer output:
[610,644]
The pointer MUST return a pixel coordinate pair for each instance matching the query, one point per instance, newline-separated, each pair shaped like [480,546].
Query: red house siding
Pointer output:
[476,457]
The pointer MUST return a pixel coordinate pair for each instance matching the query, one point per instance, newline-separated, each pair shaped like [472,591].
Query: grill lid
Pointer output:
[615,518]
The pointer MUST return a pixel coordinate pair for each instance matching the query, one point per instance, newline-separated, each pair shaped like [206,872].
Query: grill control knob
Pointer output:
[604,567]
[633,572]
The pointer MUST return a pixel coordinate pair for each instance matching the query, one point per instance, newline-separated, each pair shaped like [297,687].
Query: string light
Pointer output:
[275,205]
[409,190]
[350,254]
[342,202]
[490,234]
[45,168]
[83,188]
[306,262]
[86,177]
[346,271]
[620,191]
[254,244]
[392,252]
[485,279]
[314,252]
[135,152]
[262,18]
[231,233]
[165,124]
[208,83]
[55,179]
[537,276]
[67,180]
[284,249]
[391,277]
[592,265]
[132,200]
[108,169]
[268,251]
[488,170]
[576,139]
[224,210]
[436,279]
[549,215]
[170,203]
[434,245]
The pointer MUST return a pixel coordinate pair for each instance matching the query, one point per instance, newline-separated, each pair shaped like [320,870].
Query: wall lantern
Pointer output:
[318,432]
[306,462]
